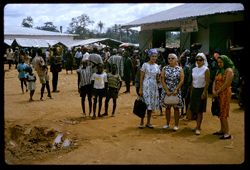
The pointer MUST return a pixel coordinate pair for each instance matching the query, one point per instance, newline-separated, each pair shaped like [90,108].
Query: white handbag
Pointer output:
[171,100]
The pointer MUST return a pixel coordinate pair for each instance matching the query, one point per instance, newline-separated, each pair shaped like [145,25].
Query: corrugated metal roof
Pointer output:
[91,41]
[17,30]
[28,42]
[186,11]
[8,41]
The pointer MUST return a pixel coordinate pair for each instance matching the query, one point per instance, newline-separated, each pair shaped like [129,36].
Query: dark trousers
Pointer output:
[47,87]
[107,105]
[127,86]
[86,91]
[54,81]
[23,82]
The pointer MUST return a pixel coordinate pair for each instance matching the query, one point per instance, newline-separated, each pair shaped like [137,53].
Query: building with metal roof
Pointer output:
[186,11]
[29,37]
[214,25]
[13,32]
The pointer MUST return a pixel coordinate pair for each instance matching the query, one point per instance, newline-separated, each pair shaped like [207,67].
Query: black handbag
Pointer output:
[140,107]
[215,108]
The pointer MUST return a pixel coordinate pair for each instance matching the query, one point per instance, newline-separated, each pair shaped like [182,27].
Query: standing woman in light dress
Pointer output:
[150,75]
[172,78]
[222,89]
[200,82]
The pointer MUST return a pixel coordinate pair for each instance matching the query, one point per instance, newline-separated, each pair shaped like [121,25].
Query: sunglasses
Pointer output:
[199,60]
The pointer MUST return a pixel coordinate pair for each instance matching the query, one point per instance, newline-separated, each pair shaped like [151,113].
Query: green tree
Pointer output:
[48,26]
[79,25]
[100,25]
[27,22]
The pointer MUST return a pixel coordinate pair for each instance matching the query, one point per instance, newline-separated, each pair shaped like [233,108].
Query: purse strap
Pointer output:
[140,98]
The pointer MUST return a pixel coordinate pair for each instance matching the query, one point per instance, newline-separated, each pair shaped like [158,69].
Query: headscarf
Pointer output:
[152,51]
[228,63]
[203,56]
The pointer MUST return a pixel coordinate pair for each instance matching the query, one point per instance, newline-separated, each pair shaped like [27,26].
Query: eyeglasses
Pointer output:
[171,58]
[199,60]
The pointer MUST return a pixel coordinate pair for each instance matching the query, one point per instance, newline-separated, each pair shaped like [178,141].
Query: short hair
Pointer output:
[217,50]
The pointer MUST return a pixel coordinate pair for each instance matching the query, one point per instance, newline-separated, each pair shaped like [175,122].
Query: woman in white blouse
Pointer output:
[200,82]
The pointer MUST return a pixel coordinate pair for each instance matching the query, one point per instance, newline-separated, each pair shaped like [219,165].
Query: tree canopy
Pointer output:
[27,22]
[48,26]
[79,25]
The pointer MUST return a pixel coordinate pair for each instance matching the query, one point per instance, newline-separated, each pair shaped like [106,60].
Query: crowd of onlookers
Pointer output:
[156,73]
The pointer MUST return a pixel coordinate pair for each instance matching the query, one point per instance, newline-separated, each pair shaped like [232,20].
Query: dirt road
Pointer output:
[31,129]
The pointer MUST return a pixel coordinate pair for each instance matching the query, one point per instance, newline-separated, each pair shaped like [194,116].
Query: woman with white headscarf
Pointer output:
[199,91]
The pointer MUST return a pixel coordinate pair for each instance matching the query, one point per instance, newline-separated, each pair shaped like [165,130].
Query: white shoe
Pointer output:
[165,126]
[175,128]
[197,132]
[141,126]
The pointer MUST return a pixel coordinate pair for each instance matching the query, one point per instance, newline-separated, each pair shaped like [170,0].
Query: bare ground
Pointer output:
[31,129]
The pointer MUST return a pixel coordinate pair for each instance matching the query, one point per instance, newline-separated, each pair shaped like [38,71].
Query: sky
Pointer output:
[62,14]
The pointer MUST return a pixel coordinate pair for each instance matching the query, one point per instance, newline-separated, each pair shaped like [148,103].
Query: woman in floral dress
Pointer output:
[172,78]
[150,74]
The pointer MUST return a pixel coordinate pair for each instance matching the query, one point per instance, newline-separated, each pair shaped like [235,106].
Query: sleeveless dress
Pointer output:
[224,96]
[172,79]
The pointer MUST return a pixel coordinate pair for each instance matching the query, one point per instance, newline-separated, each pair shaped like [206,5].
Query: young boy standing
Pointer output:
[31,79]
[84,85]
[99,83]
[114,85]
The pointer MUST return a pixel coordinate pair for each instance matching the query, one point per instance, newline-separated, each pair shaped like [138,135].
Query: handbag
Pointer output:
[140,107]
[171,100]
[215,108]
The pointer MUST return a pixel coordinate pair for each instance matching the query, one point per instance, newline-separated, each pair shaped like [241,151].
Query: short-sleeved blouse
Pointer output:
[150,86]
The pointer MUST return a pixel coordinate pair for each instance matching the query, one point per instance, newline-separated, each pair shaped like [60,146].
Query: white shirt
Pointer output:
[198,75]
[78,54]
[99,80]
[85,56]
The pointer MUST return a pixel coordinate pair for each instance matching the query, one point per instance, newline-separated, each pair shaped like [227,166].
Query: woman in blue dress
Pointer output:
[150,76]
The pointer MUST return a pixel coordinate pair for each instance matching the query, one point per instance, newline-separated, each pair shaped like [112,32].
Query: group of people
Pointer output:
[28,78]
[93,81]
[171,78]
[154,81]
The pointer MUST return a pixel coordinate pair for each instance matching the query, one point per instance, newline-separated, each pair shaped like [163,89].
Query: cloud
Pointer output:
[62,14]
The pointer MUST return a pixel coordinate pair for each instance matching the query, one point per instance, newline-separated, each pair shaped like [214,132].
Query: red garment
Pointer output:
[224,96]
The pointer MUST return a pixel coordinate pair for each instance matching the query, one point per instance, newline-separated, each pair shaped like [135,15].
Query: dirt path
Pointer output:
[31,129]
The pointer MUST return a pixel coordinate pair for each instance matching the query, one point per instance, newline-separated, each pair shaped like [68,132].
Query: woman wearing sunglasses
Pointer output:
[172,78]
[199,91]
